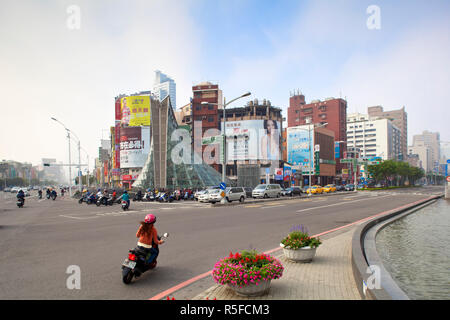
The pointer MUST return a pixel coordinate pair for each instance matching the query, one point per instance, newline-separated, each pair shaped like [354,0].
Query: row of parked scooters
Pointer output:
[163,196]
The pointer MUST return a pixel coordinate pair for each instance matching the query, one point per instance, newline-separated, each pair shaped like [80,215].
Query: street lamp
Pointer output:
[223,134]
[70,164]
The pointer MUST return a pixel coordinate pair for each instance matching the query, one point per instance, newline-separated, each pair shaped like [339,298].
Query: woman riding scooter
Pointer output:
[148,238]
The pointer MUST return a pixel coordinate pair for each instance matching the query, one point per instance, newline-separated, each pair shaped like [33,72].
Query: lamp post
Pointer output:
[70,163]
[223,134]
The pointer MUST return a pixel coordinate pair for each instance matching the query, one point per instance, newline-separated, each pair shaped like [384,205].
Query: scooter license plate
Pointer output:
[129,264]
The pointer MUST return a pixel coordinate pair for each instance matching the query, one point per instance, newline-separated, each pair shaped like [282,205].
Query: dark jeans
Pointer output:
[151,253]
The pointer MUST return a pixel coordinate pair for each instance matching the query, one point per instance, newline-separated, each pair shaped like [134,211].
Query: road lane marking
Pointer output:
[79,218]
[280,205]
[338,204]
[253,206]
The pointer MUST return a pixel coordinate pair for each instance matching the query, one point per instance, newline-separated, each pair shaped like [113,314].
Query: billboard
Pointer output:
[253,140]
[134,146]
[298,142]
[135,111]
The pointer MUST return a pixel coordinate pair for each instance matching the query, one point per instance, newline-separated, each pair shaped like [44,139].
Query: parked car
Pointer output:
[267,191]
[7,189]
[350,187]
[15,189]
[340,187]
[198,193]
[294,191]
[204,196]
[329,188]
[212,195]
[235,194]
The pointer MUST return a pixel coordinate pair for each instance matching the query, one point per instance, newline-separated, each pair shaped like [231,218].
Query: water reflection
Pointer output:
[416,252]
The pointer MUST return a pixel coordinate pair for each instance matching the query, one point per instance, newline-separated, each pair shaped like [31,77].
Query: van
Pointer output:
[267,191]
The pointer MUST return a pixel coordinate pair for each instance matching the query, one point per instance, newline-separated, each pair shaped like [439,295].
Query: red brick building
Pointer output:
[332,111]
[208,114]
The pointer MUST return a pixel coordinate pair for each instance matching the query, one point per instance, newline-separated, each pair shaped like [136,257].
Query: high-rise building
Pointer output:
[400,119]
[164,86]
[332,111]
[374,138]
[423,153]
[432,141]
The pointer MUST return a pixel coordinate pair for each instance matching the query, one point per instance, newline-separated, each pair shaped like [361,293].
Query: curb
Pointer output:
[364,253]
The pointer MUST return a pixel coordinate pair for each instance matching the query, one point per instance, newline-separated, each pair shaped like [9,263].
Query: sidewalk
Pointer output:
[328,277]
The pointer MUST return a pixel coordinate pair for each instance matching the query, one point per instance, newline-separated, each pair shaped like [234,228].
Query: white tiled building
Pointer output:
[374,137]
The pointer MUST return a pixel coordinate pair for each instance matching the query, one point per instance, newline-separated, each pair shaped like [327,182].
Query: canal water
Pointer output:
[415,250]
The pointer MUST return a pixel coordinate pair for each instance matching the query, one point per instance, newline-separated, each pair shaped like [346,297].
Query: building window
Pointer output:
[210,119]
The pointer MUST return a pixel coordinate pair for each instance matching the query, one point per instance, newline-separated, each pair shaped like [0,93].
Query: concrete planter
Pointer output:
[305,254]
[252,290]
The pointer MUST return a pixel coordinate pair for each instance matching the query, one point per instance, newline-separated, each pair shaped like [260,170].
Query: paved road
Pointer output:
[40,241]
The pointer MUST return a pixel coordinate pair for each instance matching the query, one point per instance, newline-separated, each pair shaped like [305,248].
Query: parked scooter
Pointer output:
[136,263]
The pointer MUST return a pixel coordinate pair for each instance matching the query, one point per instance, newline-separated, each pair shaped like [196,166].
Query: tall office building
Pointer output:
[432,141]
[374,138]
[400,119]
[163,87]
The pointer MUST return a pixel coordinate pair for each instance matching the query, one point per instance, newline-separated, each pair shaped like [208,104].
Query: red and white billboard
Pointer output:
[134,146]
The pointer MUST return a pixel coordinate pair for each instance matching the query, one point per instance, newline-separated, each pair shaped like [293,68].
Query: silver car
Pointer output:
[267,191]
[235,194]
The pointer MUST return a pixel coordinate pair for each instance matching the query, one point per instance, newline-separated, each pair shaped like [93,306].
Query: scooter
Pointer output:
[91,199]
[125,205]
[20,202]
[53,196]
[135,265]
[107,201]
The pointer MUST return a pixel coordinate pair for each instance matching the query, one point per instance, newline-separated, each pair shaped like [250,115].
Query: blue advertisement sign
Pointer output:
[337,150]
[298,143]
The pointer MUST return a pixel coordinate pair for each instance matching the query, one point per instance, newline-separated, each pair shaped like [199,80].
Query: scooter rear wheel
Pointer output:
[128,277]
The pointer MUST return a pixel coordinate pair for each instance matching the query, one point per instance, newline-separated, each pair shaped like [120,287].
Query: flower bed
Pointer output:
[247,268]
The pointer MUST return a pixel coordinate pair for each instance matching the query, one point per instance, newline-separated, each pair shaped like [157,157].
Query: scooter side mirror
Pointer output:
[165,235]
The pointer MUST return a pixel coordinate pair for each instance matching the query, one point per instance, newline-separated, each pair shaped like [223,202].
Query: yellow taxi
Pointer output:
[329,188]
[314,189]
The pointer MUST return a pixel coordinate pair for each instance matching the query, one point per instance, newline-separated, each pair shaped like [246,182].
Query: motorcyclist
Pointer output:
[114,195]
[48,192]
[148,237]
[62,192]
[126,197]
[40,193]
[53,193]
[139,195]
[21,195]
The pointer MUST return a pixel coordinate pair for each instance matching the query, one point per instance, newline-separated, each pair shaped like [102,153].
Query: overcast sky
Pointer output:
[323,48]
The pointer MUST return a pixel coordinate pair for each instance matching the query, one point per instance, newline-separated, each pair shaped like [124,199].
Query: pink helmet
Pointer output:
[150,218]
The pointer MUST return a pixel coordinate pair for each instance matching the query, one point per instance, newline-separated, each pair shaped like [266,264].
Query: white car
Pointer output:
[15,189]
[203,196]
[215,195]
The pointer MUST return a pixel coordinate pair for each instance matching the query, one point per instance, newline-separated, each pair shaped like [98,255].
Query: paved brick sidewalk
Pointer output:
[328,277]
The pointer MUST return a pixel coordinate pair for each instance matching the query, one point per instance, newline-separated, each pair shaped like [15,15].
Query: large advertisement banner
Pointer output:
[134,146]
[135,111]
[298,142]
[253,140]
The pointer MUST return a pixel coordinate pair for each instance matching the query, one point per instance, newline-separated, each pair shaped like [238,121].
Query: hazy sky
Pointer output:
[323,48]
